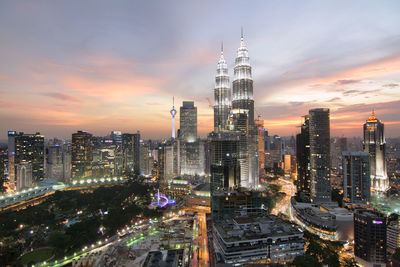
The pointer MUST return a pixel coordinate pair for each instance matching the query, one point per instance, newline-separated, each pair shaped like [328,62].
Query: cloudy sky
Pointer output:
[115,65]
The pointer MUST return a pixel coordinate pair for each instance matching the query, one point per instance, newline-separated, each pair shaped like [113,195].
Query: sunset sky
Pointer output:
[115,65]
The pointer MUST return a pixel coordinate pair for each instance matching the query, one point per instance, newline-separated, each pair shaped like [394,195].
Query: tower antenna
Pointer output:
[241,32]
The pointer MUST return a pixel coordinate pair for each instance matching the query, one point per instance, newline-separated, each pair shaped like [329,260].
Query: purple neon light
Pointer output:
[377,222]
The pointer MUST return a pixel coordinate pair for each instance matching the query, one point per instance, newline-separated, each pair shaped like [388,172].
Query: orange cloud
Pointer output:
[112,90]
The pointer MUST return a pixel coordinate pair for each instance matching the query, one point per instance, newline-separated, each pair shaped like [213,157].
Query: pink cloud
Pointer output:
[63,97]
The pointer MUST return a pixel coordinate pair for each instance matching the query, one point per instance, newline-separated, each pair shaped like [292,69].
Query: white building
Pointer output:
[24,175]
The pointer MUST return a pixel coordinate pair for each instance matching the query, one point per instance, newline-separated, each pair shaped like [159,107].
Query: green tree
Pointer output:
[306,261]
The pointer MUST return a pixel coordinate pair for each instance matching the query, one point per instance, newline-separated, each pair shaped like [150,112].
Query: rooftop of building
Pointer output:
[317,214]
[163,258]
[241,191]
[202,187]
[254,228]
[371,213]
[355,153]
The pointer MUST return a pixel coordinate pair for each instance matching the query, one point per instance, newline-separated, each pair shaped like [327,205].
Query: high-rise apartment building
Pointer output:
[28,148]
[370,237]
[356,177]
[375,144]
[222,95]
[82,156]
[303,158]
[188,122]
[320,154]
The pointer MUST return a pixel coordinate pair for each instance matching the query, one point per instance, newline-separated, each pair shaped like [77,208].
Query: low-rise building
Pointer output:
[266,239]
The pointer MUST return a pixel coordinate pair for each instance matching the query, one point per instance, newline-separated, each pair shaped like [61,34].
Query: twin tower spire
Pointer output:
[242,97]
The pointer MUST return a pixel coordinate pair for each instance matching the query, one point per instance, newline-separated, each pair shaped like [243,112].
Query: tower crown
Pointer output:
[372,118]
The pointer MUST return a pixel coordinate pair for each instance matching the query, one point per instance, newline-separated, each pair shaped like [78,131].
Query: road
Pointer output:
[201,256]
[290,190]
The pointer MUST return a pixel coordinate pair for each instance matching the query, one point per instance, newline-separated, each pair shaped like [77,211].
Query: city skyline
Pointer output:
[119,70]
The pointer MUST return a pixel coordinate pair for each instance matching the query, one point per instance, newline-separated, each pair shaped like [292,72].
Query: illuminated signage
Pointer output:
[377,222]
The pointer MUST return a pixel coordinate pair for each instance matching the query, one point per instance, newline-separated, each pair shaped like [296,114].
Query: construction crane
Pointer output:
[210,105]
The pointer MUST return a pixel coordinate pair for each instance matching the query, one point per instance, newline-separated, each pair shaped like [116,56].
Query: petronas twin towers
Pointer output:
[242,88]
[235,112]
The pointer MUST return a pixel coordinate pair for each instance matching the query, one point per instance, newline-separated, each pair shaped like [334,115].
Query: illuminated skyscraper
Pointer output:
[320,141]
[28,148]
[222,95]
[82,156]
[188,122]
[225,166]
[242,102]
[303,158]
[243,82]
[128,155]
[54,160]
[356,177]
[375,145]
[370,238]
[173,113]
[131,153]
[260,137]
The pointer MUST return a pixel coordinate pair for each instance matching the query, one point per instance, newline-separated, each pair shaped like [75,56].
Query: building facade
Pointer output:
[81,156]
[356,177]
[225,165]
[260,145]
[222,95]
[375,144]
[28,148]
[243,103]
[393,237]
[303,158]
[320,154]
[370,237]
[188,122]
[24,175]
[55,160]
[131,153]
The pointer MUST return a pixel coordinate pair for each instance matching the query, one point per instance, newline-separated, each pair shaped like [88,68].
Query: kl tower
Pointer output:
[173,113]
